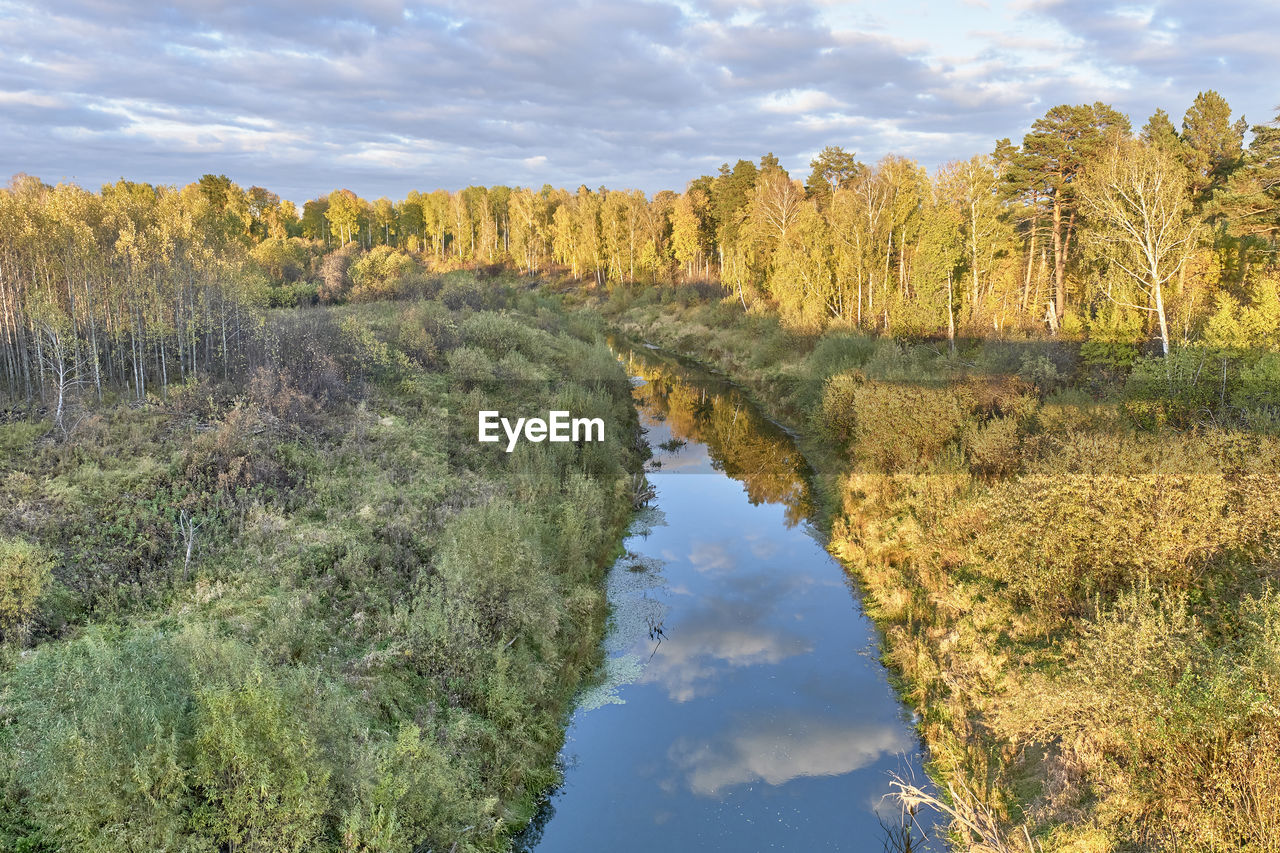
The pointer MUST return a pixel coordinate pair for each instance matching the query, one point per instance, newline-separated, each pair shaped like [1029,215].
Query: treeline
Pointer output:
[132,287]
[1086,228]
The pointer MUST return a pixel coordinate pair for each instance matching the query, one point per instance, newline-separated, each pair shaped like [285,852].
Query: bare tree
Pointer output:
[66,368]
[1140,197]
[188,527]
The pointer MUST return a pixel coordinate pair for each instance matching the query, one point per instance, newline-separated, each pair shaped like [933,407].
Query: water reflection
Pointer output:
[752,718]
[725,633]
[736,438]
[783,748]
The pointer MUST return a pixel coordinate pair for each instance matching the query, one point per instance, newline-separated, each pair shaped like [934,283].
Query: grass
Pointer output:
[382,625]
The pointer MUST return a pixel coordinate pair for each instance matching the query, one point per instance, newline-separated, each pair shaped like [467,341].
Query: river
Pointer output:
[744,706]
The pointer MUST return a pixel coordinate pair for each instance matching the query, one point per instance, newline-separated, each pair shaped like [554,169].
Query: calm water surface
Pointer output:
[744,706]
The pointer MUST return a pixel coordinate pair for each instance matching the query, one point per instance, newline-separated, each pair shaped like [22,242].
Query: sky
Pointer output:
[384,96]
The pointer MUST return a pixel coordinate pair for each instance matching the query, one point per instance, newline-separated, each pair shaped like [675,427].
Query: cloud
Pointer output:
[389,95]
[798,101]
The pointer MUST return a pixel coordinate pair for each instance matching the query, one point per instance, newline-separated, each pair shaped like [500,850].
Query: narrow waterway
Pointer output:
[745,706]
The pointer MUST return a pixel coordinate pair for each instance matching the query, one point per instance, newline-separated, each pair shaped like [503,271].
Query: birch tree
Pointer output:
[1141,201]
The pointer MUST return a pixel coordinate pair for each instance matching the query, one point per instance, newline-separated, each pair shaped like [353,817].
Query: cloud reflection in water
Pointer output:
[781,749]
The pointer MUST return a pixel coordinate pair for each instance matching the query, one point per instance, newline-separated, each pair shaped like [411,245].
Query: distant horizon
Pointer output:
[406,95]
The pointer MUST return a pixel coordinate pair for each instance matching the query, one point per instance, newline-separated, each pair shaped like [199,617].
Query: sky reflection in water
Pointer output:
[745,707]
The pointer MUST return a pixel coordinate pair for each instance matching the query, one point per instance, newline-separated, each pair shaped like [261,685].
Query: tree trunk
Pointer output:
[1059,266]
[1158,292]
[1031,257]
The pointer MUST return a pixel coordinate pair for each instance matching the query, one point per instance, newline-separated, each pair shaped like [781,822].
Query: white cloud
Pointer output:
[798,101]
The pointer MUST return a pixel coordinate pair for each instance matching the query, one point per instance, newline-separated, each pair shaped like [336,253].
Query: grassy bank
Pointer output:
[1073,560]
[303,609]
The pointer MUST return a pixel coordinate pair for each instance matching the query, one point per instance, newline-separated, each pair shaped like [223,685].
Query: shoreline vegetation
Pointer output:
[307,610]
[262,589]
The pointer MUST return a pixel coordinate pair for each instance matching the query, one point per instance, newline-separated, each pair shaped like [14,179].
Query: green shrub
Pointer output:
[1040,372]
[1196,386]
[470,365]
[282,259]
[100,735]
[498,334]
[25,573]
[380,273]
[264,785]
[17,438]
[836,352]
[1178,726]
[1257,395]
[837,416]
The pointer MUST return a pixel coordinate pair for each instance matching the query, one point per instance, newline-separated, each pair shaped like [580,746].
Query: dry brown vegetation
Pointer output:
[1079,599]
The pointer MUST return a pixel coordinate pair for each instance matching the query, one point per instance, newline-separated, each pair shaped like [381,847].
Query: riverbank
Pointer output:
[302,607]
[1077,602]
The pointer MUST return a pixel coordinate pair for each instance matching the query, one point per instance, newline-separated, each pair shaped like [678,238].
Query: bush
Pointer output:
[1039,371]
[1057,541]
[499,334]
[905,426]
[293,295]
[840,351]
[380,273]
[1257,396]
[1179,727]
[837,416]
[462,290]
[284,260]
[25,572]
[1190,386]
[994,448]
[148,741]
[264,786]
[335,274]
[100,732]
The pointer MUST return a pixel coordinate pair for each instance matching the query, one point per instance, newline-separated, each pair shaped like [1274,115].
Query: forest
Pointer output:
[261,590]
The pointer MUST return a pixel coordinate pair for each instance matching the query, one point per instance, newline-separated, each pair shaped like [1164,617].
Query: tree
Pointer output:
[410,220]
[833,168]
[384,217]
[282,220]
[776,204]
[730,196]
[344,214]
[1053,155]
[262,203]
[686,230]
[1212,142]
[1141,198]
[1160,133]
[65,367]
[1250,202]
[315,219]
[972,186]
